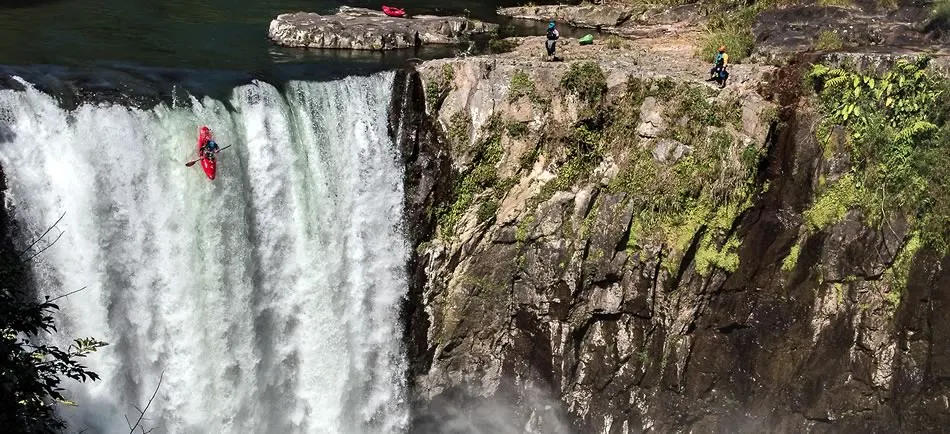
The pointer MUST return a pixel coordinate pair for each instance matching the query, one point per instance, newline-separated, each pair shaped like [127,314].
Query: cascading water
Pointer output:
[268,297]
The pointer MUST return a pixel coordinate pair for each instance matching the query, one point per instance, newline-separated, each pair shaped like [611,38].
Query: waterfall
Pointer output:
[268,297]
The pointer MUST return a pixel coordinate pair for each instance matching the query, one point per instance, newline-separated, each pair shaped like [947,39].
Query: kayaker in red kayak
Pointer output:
[208,146]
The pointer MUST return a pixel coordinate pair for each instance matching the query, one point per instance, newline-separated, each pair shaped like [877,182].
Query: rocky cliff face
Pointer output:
[620,247]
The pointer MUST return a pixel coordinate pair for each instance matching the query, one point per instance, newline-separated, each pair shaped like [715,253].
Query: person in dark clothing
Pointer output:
[551,42]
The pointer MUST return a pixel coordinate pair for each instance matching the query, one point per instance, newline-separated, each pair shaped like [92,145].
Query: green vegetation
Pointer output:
[522,86]
[899,271]
[829,40]
[731,27]
[481,177]
[694,200]
[887,4]
[701,193]
[940,15]
[487,210]
[459,126]
[587,81]
[517,130]
[834,203]
[708,256]
[582,144]
[893,128]
[33,369]
[521,232]
[438,88]
[788,264]
[528,158]
[897,140]
[693,103]
[583,155]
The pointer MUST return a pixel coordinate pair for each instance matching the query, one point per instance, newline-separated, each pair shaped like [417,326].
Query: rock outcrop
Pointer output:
[640,20]
[364,29]
[624,250]
[828,28]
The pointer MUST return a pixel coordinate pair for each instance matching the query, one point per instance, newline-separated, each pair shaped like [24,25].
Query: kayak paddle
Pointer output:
[192,162]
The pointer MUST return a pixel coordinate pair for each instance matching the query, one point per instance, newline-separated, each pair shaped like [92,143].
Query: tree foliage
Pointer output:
[31,369]
[896,139]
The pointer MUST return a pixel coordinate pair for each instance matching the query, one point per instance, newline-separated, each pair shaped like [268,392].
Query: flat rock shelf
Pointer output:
[365,29]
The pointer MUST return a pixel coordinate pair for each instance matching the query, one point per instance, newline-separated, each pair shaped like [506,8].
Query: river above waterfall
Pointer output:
[191,34]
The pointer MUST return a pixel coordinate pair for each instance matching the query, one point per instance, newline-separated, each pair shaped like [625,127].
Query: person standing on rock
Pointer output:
[553,35]
[718,71]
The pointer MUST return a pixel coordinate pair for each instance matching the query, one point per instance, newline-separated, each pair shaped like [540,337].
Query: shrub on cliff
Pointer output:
[586,80]
[896,136]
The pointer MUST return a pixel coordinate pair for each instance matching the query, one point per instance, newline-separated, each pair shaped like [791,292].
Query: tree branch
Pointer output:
[44,248]
[142,412]
[44,235]
[67,294]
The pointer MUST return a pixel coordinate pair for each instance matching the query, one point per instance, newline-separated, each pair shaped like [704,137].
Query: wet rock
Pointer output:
[364,29]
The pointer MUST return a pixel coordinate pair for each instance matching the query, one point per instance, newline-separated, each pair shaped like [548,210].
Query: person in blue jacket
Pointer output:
[209,146]
[551,42]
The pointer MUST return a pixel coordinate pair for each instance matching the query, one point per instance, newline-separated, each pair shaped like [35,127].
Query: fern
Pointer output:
[836,81]
[915,129]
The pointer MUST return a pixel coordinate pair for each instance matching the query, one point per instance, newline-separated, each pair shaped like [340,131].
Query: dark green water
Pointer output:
[193,34]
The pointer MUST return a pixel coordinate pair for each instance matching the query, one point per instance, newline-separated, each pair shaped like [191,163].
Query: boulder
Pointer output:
[365,29]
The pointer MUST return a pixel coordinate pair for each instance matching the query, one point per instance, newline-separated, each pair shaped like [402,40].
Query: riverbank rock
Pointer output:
[365,29]
[628,20]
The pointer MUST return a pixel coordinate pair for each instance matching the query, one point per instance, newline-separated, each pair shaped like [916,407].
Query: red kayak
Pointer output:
[207,164]
[394,12]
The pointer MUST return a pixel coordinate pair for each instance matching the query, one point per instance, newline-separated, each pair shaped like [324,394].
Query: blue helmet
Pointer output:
[551,25]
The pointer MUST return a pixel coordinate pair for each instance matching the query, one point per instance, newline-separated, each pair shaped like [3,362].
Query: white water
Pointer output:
[268,297]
